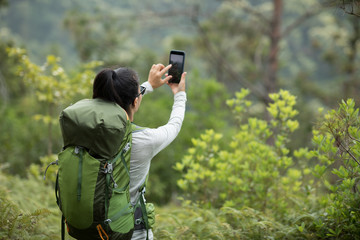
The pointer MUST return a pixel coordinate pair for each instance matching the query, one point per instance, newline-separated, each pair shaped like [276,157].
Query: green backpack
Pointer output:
[92,187]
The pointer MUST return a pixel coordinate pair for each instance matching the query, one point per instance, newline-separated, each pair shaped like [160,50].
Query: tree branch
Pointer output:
[265,27]
[3,92]
[244,5]
[352,4]
[219,59]
[307,15]
[350,153]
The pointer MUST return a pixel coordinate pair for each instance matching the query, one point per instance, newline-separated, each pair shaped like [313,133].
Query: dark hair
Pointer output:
[120,86]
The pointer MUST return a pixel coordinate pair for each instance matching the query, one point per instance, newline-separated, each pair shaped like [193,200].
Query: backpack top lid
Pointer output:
[95,124]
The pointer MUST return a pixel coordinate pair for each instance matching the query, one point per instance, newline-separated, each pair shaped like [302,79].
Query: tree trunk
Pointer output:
[50,128]
[351,85]
[275,36]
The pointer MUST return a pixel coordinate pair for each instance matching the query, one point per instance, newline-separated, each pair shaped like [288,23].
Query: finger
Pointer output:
[167,79]
[159,66]
[155,67]
[152,69]
[183,78]
[165,69]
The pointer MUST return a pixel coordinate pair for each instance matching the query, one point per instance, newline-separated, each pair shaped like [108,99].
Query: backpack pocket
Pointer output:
[150,210]
[78,173]
[121,217]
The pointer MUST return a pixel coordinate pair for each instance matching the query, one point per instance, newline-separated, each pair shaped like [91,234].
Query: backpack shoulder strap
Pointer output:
[136,128]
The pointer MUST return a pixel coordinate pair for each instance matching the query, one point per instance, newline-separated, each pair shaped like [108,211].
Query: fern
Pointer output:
[27,209]
[15,224]
[194,222]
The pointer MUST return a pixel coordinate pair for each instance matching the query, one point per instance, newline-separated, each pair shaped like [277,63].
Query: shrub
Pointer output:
[193,222]
[254,168]
[26,211]
[338,148]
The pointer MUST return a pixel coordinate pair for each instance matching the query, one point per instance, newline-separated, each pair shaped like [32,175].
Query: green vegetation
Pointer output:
[231,194]
[270,145]
[28,209]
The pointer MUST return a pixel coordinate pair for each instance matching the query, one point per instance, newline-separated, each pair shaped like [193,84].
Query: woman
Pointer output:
[146,142]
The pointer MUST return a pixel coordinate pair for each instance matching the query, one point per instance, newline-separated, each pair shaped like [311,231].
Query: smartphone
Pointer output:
[177,59]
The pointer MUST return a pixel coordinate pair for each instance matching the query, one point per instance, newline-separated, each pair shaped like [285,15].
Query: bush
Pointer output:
[27,209]
[338,150]
[255,171]
[253,168]
[193,222]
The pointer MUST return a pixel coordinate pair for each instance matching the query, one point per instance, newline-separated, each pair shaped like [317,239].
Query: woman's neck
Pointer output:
[131,114]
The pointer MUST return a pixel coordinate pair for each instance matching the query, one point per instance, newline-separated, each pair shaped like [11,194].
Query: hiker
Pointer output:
[150,141]
[146,142]
[106,157]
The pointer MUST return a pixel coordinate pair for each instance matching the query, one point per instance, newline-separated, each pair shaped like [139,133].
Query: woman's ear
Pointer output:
[135,102]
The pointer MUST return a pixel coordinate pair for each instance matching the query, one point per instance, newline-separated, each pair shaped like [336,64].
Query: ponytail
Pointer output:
[120,86]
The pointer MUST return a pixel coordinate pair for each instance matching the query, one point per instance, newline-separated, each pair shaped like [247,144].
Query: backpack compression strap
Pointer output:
[80,151]
[109,177]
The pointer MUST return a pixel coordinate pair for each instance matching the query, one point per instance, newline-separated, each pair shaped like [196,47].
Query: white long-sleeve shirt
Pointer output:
[149,142]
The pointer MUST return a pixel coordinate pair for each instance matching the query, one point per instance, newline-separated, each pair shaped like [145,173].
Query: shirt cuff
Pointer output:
[148,87]
[180,95]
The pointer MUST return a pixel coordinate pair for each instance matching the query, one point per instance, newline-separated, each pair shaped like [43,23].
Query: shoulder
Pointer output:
[143,134]
[135,128]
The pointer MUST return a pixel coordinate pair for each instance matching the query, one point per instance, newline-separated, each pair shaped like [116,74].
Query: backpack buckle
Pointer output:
[109,168]
[77,149]
[127,147]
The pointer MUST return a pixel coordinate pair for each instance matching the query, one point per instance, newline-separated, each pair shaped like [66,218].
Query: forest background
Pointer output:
[269,148]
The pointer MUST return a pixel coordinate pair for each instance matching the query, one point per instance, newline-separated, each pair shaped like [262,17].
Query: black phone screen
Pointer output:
[177,59]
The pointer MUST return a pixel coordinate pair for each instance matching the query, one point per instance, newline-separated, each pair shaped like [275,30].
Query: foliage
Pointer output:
[194,222]
[351,7]
[22,139]
[339,42]
[50,82]
[252,168]
[3,3]
[16,225]
[102,36]
[298,214]
[248,182]
[338,149]
[52,89]
[256,171]
[27,209]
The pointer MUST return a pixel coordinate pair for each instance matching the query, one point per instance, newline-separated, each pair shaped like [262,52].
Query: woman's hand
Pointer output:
[156,73]
[178,87]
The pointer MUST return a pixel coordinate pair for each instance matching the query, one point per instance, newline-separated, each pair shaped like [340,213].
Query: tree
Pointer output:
[247,51]
[351,7]
[102,36]
[339,41]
